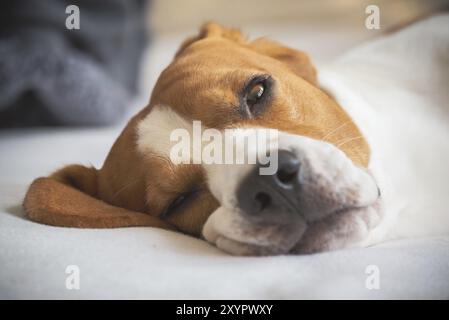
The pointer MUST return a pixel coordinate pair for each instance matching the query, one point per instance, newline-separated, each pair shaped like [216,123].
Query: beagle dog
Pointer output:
[323,194]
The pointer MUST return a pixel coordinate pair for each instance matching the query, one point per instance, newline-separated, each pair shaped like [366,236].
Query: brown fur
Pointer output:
[133,189]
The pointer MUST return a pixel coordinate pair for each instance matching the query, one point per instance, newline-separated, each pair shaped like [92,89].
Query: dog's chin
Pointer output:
[341,229]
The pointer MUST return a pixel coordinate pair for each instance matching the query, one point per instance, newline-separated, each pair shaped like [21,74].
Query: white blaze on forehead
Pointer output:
[153,132]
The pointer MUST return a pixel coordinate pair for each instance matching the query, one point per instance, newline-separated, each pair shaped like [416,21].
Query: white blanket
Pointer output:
[156,264]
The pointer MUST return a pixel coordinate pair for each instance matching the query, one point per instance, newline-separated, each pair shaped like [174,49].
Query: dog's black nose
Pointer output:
[265,195]
[288,169]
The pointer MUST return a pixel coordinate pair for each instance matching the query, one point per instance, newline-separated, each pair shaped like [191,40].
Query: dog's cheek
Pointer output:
[191,218]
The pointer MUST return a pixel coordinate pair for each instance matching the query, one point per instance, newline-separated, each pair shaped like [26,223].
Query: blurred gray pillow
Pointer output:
[50,75]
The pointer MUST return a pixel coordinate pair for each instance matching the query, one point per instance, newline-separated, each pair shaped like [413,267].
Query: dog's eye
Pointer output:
[255,94]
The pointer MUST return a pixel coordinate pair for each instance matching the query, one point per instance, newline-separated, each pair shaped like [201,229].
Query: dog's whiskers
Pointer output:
[340,143]
[333,131]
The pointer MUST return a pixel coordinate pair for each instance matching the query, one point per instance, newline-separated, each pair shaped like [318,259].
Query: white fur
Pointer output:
[396,90]
[153,132]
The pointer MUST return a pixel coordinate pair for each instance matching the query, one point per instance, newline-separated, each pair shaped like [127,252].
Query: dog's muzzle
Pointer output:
[316,200]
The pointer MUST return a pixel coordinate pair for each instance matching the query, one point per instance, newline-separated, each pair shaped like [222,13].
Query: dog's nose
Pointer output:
[262,195]
[288,169]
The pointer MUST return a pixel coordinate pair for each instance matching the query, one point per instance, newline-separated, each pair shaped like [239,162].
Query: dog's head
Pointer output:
[318,195]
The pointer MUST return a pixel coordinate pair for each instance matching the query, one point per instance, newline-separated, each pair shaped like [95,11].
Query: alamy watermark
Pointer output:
[372,21]
[73,19]
[372,281]
[230,146]
[72,281]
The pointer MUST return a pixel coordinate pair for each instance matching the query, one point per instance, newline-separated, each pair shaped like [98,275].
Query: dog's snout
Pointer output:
[271,194]
[303,186]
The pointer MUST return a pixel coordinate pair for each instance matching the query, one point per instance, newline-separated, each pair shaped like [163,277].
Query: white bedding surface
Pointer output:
[156,264]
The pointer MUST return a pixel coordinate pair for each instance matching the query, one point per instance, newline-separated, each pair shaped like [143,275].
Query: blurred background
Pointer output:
[104,71]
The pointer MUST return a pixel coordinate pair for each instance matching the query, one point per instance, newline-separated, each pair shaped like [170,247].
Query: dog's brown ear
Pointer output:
[297,61]
[67,199]
[212,29]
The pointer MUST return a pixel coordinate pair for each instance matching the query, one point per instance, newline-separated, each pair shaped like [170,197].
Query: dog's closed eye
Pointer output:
[179,202]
